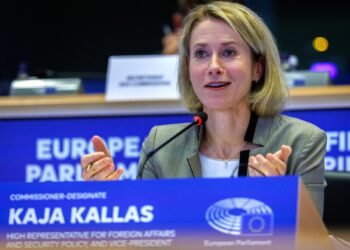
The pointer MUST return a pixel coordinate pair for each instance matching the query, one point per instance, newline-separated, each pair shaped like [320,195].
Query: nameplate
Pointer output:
[196,213]
[54,86]
[306,78]
[142,78]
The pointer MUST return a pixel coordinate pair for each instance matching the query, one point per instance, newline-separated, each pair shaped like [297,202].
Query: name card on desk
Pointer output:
[141,78]
[196,213]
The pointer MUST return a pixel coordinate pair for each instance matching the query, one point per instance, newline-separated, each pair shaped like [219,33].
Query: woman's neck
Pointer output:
[225,131]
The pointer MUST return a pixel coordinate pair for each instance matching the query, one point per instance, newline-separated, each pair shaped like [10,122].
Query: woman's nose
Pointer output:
[215,66]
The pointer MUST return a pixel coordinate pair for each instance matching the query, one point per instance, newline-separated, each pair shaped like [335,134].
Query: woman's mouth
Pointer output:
[217,85]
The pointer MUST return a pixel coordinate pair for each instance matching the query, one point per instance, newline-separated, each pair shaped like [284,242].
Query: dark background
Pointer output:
[73,38]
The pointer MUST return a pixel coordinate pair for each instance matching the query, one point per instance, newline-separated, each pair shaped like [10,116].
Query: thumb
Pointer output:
[99,145]
[285,152]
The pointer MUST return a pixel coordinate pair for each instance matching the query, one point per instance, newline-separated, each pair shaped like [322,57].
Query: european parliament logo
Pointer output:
[241,216]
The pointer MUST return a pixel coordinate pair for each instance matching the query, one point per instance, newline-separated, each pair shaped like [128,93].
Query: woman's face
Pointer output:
[221,66]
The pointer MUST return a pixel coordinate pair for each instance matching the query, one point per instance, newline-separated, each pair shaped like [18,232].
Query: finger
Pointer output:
[85,175]
[99,145]
[88,175]
[266,166]
[99,166]
[251,171]
[279,165]
[253,167]
[90,158]
[257,171]
[285,153]
[103,173]
[115,174]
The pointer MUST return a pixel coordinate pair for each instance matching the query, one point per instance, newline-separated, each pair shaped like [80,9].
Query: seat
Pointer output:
[336,214]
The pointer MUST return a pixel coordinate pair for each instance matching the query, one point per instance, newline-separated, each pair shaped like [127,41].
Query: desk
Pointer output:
[303,98]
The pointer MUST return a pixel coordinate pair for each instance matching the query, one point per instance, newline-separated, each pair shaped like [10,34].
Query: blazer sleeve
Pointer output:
[310,166]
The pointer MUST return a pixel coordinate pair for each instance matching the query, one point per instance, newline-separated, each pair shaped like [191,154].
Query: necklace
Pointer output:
[215,152]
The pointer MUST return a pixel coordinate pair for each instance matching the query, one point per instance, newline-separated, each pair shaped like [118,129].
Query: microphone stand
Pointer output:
[198,120]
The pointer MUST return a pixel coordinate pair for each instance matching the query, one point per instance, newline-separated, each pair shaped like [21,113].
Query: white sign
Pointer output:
[135,78]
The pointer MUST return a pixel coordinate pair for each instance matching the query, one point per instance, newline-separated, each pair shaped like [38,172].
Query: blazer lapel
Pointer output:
[195,165]
[261,135]
[193,160]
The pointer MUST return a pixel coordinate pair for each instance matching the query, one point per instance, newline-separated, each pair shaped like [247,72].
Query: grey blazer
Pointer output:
[180,158]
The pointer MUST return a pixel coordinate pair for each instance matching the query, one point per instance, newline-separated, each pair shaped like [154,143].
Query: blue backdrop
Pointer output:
[37,150]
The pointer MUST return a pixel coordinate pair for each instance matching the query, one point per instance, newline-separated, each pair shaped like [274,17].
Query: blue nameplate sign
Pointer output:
[193,213]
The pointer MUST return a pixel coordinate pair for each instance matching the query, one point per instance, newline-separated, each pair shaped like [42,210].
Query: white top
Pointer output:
[215,168]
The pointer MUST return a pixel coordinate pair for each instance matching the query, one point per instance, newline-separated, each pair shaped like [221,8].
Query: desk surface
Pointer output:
[324,97]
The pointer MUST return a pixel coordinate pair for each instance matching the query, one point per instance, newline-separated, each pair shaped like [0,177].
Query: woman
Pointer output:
[229,68]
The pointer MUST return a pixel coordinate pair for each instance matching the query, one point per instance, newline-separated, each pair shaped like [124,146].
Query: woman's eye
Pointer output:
[200,53]
[229,53]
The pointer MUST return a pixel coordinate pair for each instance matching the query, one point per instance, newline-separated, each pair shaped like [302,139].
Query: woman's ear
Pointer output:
[259,68]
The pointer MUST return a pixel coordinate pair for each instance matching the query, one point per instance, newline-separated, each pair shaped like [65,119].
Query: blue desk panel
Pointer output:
[195,213]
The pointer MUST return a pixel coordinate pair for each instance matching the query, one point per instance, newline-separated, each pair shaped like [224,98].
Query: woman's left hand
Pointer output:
[270,165]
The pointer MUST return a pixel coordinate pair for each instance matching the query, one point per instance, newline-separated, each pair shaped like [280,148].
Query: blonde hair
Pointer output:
[268,94]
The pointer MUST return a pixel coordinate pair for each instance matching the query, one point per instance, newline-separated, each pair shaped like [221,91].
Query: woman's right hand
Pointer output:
[99,165]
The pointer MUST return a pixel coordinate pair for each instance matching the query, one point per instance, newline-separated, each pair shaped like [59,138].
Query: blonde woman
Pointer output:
[229,68]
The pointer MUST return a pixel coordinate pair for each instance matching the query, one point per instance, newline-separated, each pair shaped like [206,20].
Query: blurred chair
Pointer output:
[337,204]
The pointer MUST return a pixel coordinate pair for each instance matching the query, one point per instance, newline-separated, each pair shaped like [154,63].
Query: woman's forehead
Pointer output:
[212,28]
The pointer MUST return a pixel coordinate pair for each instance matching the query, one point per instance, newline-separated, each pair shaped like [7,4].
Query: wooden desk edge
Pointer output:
[324,97]
[91,99]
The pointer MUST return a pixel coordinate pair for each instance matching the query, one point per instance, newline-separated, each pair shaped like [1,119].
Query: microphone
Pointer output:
[199,119]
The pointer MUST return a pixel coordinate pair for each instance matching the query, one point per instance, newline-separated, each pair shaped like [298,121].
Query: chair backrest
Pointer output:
[337,199]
